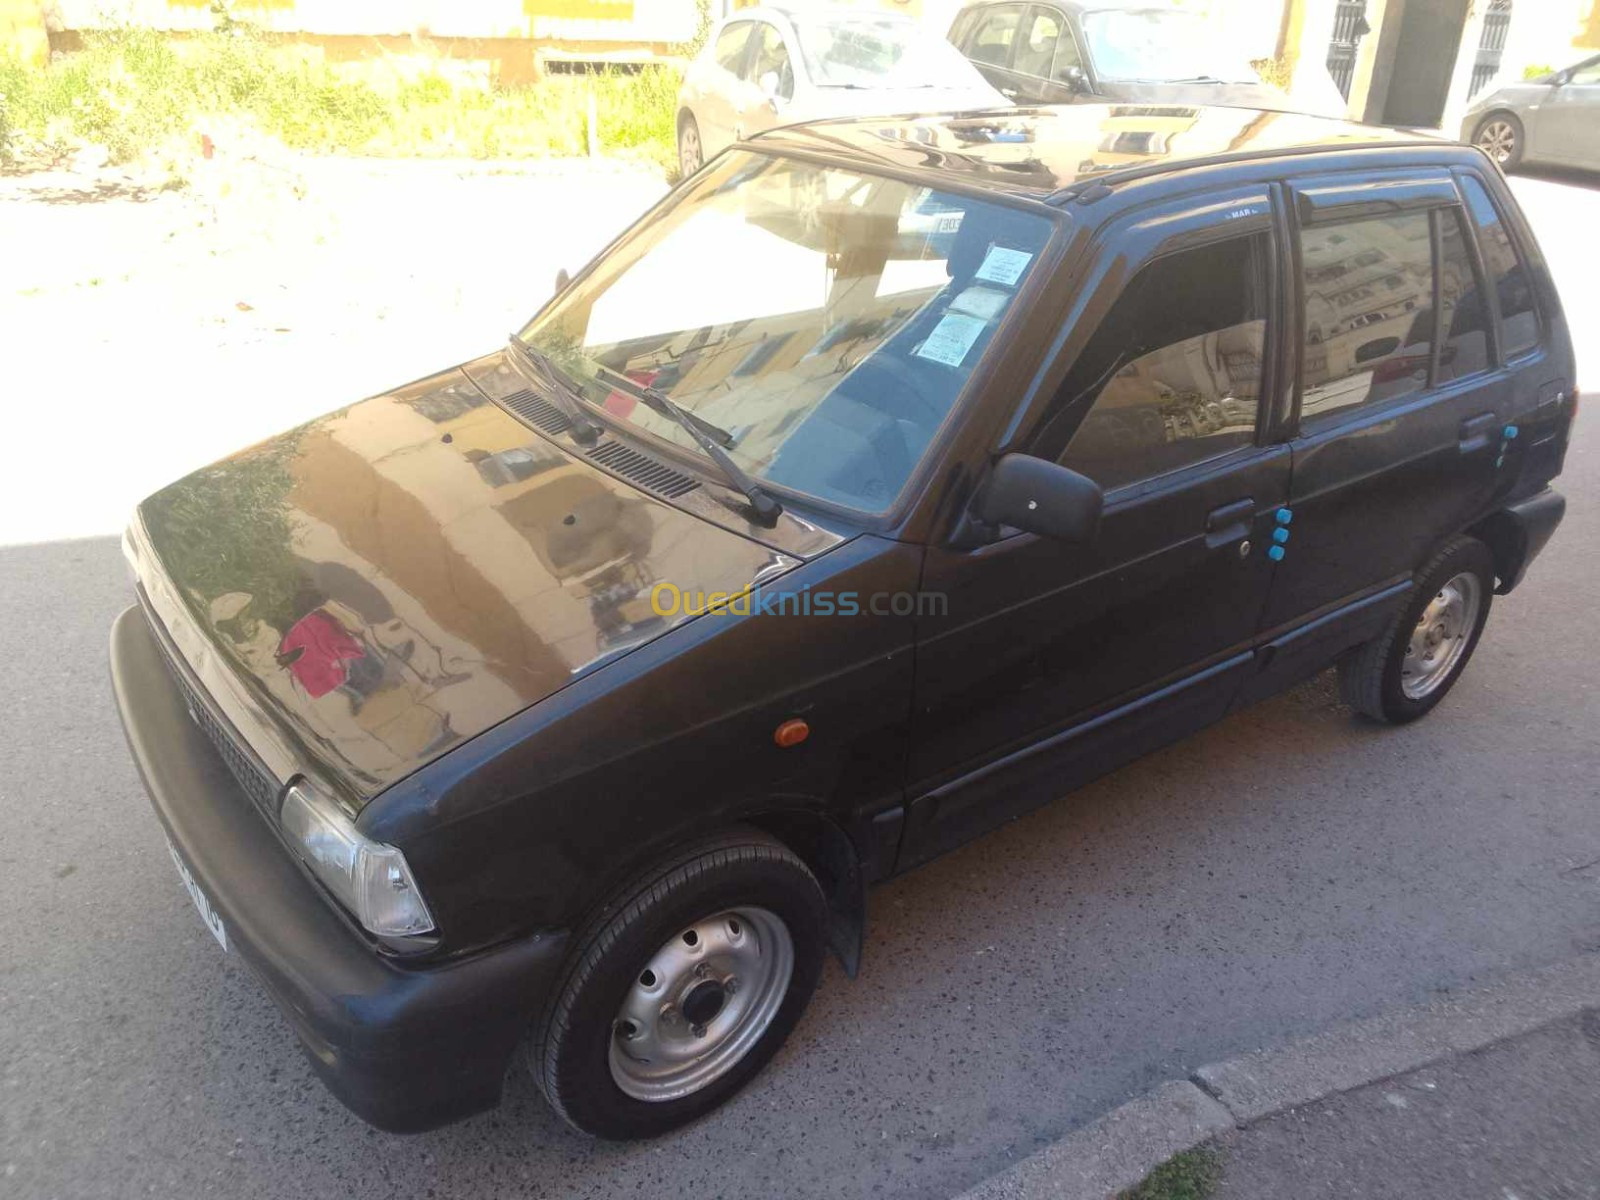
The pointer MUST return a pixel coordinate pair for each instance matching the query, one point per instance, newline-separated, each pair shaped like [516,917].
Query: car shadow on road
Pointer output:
[1571,176]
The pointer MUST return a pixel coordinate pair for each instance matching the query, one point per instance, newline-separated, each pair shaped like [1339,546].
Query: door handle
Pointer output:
[1230,522]
[1476,432]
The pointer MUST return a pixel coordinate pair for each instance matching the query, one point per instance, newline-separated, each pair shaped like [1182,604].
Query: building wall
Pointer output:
[22,30]
[1550,33]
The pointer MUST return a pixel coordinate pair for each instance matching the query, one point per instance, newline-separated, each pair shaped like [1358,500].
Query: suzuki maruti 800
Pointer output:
[887,479]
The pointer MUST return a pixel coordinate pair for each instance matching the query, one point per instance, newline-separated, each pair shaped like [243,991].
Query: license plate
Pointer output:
[201,904]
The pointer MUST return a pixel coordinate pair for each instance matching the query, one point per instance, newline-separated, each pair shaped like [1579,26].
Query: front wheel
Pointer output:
[691,153]
[682,990]
[1400,675]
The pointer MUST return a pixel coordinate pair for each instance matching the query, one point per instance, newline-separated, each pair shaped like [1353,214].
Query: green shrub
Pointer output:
[136,92]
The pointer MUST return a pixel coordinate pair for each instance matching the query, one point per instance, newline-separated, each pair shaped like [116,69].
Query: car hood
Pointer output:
[1262,96]
[824,102]
[366,591]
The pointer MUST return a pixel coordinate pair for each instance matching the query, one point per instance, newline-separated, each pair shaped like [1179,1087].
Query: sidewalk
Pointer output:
[1518,1120]
[1489,1093]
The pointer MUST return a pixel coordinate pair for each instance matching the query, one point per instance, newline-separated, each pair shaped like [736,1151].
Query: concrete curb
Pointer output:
[1119,1149]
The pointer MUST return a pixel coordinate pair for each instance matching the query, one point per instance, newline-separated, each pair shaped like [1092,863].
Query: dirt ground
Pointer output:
[148,331]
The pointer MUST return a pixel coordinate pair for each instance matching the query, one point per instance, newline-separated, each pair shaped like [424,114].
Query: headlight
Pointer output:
[369,878]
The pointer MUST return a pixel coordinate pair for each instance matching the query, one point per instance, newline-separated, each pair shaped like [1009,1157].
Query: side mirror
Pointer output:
[1037,496]
[769,83]
[1075,79]
[562,279]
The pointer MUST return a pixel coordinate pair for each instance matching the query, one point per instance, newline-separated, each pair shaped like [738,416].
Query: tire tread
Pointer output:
[632,903]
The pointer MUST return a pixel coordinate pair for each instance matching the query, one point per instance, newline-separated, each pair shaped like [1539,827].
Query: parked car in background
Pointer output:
[1068,50]
[773,66]
[1552,119]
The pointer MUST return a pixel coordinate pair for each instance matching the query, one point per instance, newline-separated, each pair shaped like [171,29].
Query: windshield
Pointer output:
[877,52]
[825,320]
[1161,45]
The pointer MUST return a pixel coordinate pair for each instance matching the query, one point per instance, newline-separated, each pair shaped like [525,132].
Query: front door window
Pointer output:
[1173,374]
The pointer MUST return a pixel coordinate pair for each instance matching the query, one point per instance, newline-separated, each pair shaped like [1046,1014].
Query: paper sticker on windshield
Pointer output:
[1002,265]
[951,338]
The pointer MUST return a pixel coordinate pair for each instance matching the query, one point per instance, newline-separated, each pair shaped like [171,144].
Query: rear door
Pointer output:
[1401,405]
[1052,663]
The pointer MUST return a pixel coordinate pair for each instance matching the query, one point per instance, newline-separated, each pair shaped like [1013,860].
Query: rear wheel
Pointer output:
[684,988]
[1500,136]
[1401,675]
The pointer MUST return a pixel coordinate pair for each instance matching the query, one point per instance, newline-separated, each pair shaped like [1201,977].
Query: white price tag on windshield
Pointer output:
[951,338]
[1004,266]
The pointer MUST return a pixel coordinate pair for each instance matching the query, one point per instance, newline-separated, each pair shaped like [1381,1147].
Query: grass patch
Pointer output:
[142,95]
[1192,1175]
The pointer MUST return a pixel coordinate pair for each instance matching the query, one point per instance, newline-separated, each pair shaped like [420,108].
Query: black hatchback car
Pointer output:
[886,480]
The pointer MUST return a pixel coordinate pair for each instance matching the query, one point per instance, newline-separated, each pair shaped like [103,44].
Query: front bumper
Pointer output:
[406,1047]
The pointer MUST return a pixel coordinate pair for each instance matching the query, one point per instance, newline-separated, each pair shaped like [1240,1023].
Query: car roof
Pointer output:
[811,13]
[1053,152]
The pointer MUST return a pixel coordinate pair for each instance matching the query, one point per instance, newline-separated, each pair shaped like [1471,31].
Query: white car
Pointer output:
[770,66]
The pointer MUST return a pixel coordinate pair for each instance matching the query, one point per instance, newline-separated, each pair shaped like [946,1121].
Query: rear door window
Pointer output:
[1507,273]
[1368,317]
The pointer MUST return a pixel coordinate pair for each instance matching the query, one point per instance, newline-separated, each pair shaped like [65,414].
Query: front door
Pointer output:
[1052,662]
[989,41]
[1570,121]
[723,91]
[1047,60]
[1402,408]
[769,86]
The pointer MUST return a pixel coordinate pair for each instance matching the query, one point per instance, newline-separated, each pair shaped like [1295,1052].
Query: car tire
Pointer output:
[1500,135]
[691,150]
[1402,674]
[707,961]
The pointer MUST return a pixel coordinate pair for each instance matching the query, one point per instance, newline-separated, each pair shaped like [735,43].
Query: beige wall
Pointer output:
[1550,33]
[22,30]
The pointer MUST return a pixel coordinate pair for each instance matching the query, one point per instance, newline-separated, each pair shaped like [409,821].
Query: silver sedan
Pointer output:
[774,65]
[1553,119]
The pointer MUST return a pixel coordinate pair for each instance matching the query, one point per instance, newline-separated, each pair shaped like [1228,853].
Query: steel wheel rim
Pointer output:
[1498,140]
[700,1004]
[689,150]
[1440,638]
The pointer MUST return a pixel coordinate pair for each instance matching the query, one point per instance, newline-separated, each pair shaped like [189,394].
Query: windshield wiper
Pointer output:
[559,388]
[664,404]
[710,438]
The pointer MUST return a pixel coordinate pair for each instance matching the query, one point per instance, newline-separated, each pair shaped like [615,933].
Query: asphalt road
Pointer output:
[1288,869]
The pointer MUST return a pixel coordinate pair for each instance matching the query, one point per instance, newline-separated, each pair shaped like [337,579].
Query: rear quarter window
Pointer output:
[1508,275]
